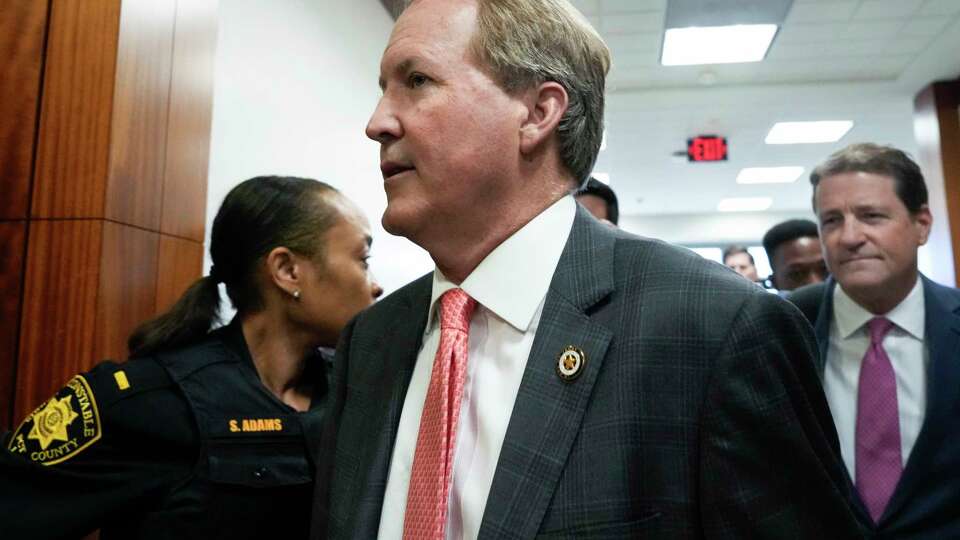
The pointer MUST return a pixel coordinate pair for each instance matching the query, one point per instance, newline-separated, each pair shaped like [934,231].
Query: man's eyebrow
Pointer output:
[400,68]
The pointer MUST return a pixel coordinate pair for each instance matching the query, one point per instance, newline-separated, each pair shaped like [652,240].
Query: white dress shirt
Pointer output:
[510,287]
[849,340]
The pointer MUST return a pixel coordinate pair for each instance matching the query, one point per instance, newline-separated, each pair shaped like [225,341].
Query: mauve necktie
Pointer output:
[878,458]
[426,513]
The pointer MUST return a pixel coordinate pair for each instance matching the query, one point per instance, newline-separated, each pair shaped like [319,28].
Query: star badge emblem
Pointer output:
[50,423]
[570,363]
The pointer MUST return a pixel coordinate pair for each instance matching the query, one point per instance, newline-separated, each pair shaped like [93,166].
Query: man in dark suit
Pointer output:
[889,344]
[555,377]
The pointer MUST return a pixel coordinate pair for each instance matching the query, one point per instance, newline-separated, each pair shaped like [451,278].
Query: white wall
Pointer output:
[295,82]
[721,229]
[716,228]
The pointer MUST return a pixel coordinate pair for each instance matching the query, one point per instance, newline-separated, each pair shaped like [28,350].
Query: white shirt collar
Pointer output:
[909,314]
[514,278]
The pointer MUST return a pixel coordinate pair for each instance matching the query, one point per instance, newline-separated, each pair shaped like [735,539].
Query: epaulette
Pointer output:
[112,382]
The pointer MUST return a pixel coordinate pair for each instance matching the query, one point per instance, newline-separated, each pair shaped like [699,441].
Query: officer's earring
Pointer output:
[296,294]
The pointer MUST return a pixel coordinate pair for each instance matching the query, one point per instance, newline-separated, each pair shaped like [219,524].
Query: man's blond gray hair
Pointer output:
[525,43]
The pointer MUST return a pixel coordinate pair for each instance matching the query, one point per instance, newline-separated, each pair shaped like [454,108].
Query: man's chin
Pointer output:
[397,222]
[860,280]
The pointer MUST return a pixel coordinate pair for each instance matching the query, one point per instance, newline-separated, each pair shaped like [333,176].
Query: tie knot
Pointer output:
[879,327]
[456,308]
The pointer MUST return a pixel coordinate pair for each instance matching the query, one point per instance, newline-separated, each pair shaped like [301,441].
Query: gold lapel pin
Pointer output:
[570,363]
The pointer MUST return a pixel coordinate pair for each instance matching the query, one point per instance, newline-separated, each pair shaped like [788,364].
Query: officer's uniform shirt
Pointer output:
[182,445]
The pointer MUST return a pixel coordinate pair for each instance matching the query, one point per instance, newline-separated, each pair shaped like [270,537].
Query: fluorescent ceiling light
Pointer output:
[745,204]
[717,44]
[808,132]
[769,175]
[602,176]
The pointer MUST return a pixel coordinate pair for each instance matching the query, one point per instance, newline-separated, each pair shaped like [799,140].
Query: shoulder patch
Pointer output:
[61,428]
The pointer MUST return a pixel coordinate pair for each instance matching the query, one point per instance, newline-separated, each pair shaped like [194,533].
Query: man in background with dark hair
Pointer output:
[738,259]
[889,343]
[600,200]
[793,248]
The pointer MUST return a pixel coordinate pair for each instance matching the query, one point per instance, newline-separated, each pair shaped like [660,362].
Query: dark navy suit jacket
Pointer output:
[926,502]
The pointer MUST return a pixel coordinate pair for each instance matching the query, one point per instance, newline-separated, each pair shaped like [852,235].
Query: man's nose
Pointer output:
[852,233]
[383,125]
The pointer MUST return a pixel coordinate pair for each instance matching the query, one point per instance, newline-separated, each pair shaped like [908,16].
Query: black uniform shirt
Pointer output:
[188,444]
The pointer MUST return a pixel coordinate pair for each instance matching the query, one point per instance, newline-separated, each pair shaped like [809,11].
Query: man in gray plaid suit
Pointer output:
[610,386]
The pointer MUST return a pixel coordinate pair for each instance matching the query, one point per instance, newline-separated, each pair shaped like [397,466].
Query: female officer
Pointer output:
[205,434]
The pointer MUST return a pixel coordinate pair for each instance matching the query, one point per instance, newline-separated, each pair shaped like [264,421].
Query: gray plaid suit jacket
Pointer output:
[699,413]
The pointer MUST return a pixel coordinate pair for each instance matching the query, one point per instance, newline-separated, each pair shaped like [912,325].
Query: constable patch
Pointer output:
[62,427]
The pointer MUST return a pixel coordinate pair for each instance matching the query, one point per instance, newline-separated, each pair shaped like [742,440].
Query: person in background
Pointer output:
[554,377]
[600,200]
[793,248]
[738,259]
[889,343]
[205,433]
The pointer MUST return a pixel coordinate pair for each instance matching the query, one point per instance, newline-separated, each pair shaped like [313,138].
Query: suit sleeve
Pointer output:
[319,523]
[96,454]
[769,456]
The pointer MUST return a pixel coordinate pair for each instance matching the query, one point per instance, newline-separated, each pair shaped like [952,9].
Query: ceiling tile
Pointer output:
[887,9]
[907,45]
[896,62]
[636,59]
[634,22]
[866,47]
[619,72]
[940,7]
[623,43]
[822,12]
[807,33]
[788,51]
[871,30]
[925,27]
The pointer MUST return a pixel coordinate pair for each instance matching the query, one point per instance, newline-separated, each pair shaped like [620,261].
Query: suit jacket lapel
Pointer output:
[387,367]
[547,414]
[822,331]
[821,327]
[943,381]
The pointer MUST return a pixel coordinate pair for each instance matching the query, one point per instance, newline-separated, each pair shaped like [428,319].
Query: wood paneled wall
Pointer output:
[107,128]
[23,32]
[937,127]
[23,28]
[13,236]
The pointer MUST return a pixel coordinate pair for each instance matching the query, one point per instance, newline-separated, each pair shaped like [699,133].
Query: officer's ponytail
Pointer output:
[256,216]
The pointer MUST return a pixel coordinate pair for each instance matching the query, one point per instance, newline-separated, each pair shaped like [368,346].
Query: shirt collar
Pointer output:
[514,278]
[908,315]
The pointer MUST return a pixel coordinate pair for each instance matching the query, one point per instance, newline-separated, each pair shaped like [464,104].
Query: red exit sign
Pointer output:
[707,148]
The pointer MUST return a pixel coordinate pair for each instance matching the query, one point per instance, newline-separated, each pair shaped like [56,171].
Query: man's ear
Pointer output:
[546,105]
[284,271]
[923,221]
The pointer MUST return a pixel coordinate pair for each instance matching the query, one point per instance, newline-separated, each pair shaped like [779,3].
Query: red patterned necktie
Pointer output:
[426,513]
[878,456]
